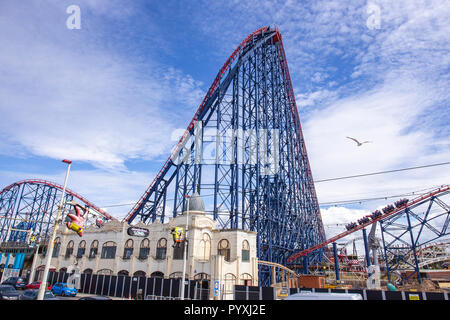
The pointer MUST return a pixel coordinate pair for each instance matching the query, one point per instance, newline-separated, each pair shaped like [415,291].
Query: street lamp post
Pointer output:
[185,248]
[51,241]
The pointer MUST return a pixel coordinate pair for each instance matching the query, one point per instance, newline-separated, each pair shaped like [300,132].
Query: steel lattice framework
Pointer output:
[32,205]
[407,234]
[244,152]
[407,231]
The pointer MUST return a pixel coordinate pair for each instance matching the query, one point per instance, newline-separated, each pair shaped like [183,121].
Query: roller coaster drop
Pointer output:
[251,98]
[261,178]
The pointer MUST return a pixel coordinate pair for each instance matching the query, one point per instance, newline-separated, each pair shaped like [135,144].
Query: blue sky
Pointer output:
[109,95]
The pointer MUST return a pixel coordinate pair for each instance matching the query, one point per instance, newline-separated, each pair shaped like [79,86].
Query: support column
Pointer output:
[366,247]
[336,262]
[388,270]
[306,264]
[413,246]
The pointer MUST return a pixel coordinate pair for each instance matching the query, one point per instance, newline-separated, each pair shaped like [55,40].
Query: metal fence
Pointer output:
[270,293]
[135,287]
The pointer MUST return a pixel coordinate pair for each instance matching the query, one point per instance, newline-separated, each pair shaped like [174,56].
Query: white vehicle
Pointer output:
[308,295]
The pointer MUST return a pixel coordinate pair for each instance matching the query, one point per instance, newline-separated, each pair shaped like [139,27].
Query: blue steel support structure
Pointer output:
[418,225]
[336,262]
[366,247]
[406,230]
[245,154]
[31,205]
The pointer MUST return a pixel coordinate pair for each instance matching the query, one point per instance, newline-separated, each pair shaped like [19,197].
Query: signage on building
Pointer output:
[138,232]
[414,296]
[9,272]
[16,247]
[216,288]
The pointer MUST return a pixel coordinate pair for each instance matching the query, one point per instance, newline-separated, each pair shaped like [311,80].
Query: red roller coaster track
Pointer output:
[359,227]
[55,185]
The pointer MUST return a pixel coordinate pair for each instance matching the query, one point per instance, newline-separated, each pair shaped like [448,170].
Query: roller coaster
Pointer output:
[403,231]
[31,205]
[258,180]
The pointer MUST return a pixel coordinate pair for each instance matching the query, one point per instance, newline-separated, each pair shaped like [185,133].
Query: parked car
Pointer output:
[307,295]
[16,282]
[36,285]
[64,290]
[31,294]
[8,292]
[95,298]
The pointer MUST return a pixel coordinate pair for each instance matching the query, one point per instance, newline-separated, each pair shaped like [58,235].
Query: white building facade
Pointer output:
[227,256]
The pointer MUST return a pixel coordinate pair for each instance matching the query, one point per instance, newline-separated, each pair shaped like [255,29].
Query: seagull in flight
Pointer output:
[357,142]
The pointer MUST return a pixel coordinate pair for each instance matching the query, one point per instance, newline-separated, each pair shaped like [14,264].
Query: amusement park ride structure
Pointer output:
[250,106]
[403,231]
[31,205]
[260,178]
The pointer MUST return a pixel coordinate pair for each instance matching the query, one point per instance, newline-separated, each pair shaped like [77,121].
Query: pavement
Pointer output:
[78,296]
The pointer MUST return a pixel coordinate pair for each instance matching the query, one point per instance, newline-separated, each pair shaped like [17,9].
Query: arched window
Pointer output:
[144,250]
[109,250]
[139,273]
[246,279]
[94,249]
[87,271]
[178,250]
[177,275]
[205,247]
[106,272]
[128,250]
[69,249]
[43,249]
[157,274]
[81,249]
[56,247]
[202,276]
[123,273]
[230,282]
[161,249]
[245,251]
[224,249]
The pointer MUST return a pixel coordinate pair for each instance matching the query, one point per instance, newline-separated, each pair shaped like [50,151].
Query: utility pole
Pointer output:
[51,241]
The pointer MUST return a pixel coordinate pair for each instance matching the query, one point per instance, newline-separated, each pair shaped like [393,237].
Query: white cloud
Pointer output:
[315,98]
[391,116]
[79,101]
